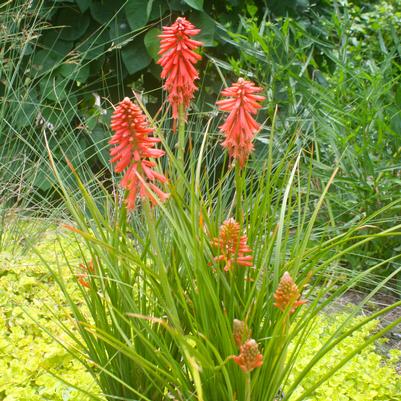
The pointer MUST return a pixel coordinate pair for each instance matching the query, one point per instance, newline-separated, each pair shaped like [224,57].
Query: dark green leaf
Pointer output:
[159,7]
[92,47]
[178,5]
[135,56]
[104,11]
[119,29]
[74,21]
[196,4]
[137,13]
[152,43]
[53,88]
[75,72]
[207,26]
[83,4]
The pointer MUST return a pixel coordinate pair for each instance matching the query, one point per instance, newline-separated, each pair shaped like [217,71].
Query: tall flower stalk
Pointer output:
[240,127]
[178,58]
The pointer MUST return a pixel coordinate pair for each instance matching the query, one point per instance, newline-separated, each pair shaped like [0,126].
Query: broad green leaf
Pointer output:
[93,47]
[152,43]
[53,88]
[83,4]
[119,29]
[137,13]
[75,72]
[159,7]
[74,22]
[207,26]
[196,4]
[104,11]
[135,56]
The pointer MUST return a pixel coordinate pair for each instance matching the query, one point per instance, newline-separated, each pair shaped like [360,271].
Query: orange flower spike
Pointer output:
[134,145]
[249,357]
[240,127]
[178,57]
[232,245]
[287,294]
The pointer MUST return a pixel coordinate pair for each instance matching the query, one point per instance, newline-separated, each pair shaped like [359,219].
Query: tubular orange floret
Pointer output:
[240,127]
[249,357]
[287,294]
[177,60]
[134,145]
[232,245]
[83,276]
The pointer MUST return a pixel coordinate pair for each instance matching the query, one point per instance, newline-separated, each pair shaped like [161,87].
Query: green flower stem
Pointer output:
[238,194]
[247,386]
[181,149]
[151,223]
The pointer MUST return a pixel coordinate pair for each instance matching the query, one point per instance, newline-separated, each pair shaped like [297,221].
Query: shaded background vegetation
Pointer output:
[332,68]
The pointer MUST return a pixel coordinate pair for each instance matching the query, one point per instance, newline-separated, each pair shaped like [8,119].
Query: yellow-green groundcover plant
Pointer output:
[35,367]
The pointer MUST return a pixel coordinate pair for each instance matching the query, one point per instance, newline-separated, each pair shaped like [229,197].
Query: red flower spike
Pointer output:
[177,60]
[134,145]
[232,245]
[287,294]
[240,127]
[249,357]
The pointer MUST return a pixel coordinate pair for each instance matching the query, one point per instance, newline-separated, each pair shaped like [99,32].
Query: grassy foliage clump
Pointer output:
[30,357]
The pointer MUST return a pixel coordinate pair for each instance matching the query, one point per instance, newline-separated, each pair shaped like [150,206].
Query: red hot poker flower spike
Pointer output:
[134,145]
[287,294]
[240,127]
[177,60]
[249,357]
[232,245]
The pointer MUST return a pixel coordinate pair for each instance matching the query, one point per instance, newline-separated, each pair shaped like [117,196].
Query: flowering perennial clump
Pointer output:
[232,245]
[134,145]
[240,127]
[287,294]
[249,357]
[177,60]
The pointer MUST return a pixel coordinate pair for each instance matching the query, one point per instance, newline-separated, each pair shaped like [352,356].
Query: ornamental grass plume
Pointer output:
[134,145]
[232,245]
[240,127]
[177,60]
[287,294]
[249,357]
